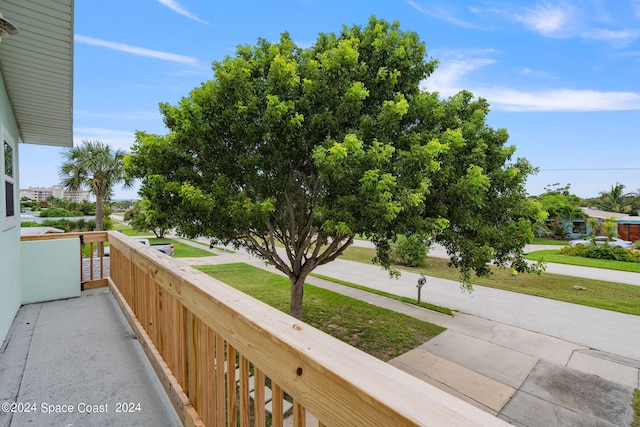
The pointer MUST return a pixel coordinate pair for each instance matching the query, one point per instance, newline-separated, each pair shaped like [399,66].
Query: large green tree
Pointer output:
[97,167]
[290,152]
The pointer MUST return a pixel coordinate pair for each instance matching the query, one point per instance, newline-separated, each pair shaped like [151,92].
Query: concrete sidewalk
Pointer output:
[76,362]
[522,376]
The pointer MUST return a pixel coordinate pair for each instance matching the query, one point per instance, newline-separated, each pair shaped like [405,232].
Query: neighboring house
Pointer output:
[628,226]
[36,103]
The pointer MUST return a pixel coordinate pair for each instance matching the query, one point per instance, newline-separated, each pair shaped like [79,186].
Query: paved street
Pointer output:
[583,325]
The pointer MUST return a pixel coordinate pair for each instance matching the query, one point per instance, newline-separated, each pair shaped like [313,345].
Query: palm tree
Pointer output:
[96,167]
[615,200]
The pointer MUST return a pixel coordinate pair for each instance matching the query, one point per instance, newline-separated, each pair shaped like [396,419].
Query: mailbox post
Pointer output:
[421,282]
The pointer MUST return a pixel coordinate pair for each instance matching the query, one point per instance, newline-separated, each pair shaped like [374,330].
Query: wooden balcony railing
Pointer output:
[222,355]
[196,329]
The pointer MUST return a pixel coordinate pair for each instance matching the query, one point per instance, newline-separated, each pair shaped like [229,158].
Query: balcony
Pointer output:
[226,359]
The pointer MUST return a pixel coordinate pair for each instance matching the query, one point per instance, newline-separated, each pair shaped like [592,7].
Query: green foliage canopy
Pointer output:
[309,147]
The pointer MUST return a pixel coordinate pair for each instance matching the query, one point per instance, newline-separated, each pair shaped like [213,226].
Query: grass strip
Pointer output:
[546,241]
[183,250]
[380,332]
[636,408]
[411,301]
[557,257]
[618,297]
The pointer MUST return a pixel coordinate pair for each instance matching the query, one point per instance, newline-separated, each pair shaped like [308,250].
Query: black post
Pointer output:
[421,282]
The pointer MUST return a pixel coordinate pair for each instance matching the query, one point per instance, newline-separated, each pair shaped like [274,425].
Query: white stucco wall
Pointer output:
[10,292]
[50,270]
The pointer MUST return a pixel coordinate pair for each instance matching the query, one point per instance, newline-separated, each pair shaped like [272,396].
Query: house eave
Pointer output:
[37,66]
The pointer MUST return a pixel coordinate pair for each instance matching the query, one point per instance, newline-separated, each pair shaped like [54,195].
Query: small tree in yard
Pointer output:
[411,250]
[142,217]
[290,152]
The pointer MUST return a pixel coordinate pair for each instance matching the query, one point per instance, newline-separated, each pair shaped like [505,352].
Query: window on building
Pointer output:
[580,227]
[9,177]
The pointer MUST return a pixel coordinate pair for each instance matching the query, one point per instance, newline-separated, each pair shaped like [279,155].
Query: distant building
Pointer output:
[41,193]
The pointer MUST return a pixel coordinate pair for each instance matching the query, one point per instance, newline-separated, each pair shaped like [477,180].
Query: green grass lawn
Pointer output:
[636,408]
[606,295]
[127,230]
[382,333]
[557,257]
[183,250]
[547,241]
[413,301]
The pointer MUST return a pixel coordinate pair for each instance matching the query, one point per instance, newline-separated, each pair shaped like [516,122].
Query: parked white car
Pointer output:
[601,240]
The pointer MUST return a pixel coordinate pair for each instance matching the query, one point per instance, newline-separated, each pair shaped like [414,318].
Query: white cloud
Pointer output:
[559,100]
[115,138]
[453,75]
[137,50]
[541,75]
[619,38]
[551,20]
[447,78]
[564,20]
[441,13]
[173,5]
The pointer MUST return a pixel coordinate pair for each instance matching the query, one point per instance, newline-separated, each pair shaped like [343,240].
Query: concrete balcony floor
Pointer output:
[76,362]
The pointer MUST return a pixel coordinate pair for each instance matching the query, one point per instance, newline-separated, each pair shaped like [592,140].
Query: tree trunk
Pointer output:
[297,294]
[99,211]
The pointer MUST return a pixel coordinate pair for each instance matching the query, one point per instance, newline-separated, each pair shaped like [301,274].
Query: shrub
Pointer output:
[633,256]
[613,253]
[67,225]
[572,250]
[55,213]
[411,251]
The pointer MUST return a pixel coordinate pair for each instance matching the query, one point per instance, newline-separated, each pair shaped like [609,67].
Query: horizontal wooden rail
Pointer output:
[196,328]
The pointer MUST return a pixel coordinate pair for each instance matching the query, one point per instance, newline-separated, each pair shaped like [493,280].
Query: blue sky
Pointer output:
[560,76]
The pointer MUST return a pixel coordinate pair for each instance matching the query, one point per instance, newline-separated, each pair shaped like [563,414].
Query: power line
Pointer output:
[590,169]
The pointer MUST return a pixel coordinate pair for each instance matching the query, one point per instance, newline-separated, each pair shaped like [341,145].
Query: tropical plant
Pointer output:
[615,200]
[97,167]
[609,228]
[558,232]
